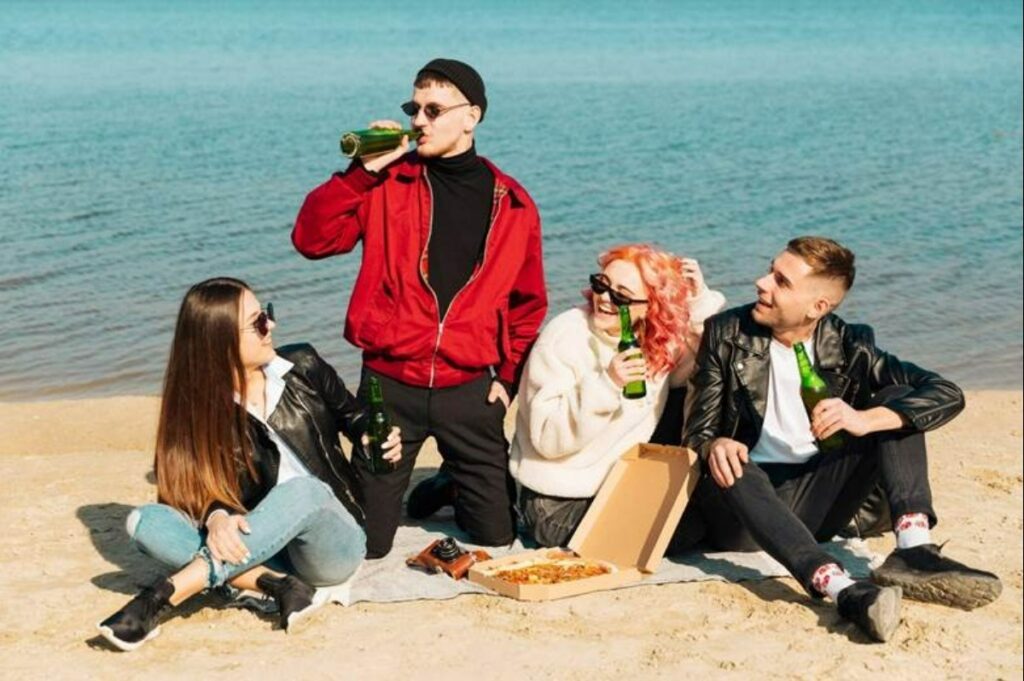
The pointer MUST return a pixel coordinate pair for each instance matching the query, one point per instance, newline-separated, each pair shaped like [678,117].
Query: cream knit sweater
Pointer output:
[573,422]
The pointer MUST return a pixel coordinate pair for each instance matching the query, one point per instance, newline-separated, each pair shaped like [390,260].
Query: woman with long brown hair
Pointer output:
[253,487]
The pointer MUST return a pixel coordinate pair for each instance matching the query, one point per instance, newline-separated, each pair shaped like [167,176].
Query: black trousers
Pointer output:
[787,509]
[470,438]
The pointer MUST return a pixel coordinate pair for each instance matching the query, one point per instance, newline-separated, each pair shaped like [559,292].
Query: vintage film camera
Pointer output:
[445,555]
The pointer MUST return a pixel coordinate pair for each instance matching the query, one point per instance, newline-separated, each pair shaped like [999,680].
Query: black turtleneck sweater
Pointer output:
[463,190]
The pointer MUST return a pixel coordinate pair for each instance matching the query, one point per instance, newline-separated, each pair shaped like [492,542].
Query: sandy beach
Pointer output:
[71,471]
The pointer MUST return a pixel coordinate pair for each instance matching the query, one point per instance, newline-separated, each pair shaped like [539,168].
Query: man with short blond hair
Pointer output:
[769,486]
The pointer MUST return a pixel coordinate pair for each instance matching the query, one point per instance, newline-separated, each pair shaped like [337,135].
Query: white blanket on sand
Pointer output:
[389,580]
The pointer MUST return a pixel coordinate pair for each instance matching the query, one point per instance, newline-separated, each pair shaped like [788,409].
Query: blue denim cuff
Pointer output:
[218,574]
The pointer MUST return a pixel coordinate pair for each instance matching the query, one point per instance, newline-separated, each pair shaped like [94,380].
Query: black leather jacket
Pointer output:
[314,408]
[730,385]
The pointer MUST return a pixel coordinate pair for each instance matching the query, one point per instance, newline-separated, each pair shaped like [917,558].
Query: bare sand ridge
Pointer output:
[71,471]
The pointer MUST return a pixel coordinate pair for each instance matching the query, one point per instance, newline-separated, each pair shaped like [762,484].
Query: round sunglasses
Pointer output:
[600,284]
[261,325]
[431,110]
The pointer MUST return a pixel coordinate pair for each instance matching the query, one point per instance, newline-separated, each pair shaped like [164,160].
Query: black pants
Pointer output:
[787,509]
[471,439]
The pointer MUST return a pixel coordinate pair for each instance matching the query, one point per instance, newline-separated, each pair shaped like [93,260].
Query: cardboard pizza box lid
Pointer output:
[638,507]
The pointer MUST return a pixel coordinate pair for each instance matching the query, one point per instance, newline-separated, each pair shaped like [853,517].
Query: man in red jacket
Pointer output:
[449,298]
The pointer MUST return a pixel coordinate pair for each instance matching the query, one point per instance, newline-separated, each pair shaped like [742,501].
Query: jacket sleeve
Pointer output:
[704,400]
[349,414]
[564,414]
[934,400]
[332,217]
[528,304]
[705,304]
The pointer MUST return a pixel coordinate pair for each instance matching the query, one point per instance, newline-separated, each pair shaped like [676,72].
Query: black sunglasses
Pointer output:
[431,110]
[599,284]
[261,324]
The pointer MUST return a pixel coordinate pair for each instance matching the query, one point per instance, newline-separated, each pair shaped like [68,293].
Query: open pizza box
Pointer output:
[627,528]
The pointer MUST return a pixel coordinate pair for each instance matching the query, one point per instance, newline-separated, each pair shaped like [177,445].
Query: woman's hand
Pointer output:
[392,446]
[626,367]
[693,275]
[223,538]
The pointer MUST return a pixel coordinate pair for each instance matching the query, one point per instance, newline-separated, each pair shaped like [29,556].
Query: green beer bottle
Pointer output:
[374,141]
[812,391]
[635,389]
[378,430]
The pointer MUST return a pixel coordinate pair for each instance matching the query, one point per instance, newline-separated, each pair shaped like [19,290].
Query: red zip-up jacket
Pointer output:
[393,313]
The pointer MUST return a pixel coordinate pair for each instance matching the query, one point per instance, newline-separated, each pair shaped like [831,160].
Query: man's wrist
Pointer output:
[880,419]
[375,172]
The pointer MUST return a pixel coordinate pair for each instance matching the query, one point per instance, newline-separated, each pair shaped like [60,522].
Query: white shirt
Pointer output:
[290,466]
[786,435]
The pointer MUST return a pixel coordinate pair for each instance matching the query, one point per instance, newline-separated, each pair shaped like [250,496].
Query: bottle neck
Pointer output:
[626,323]
[808,377]
[376,395]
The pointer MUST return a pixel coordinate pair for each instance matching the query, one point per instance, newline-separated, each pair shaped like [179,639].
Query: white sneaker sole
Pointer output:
[109,635]
[336,593]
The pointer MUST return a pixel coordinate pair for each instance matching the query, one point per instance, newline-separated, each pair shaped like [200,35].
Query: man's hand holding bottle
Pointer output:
[377,162]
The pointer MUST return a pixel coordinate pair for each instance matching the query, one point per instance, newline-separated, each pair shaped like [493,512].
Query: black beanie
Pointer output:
[463,76]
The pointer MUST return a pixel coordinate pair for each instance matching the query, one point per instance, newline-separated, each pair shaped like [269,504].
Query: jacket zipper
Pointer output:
[426,282]
[495,209]
[327,454]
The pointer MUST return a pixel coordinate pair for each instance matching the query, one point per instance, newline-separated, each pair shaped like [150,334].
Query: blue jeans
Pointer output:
[301,517]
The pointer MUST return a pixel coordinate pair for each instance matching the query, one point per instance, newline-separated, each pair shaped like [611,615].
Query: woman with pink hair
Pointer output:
[573,421]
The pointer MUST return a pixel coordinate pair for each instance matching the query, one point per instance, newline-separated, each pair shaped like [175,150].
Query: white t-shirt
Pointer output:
[290,466]
[786,435]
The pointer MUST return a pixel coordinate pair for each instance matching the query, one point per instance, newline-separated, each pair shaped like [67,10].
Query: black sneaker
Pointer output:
[926,575]
[137,622]
[295,599]
[875,609]
[432,494]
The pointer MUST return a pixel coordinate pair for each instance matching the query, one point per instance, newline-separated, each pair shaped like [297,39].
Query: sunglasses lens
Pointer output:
[432,111]
[261,326]
[618,298]
[411,108]
[600,285]
[270,312]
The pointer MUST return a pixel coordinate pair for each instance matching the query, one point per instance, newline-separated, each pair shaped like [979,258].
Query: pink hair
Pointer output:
[661,332]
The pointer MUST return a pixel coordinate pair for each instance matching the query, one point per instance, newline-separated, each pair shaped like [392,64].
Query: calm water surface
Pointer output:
[146,146]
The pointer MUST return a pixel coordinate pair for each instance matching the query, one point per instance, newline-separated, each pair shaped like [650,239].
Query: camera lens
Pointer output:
[447,550]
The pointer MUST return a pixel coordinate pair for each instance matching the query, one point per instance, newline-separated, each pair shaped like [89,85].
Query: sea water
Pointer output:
[146,146]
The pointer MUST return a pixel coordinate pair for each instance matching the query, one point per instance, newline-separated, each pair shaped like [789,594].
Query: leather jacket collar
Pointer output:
[729,389]
[752,359]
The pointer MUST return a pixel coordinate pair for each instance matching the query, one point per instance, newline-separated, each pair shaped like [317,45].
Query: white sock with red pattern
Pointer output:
[912,530]
[830,579]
